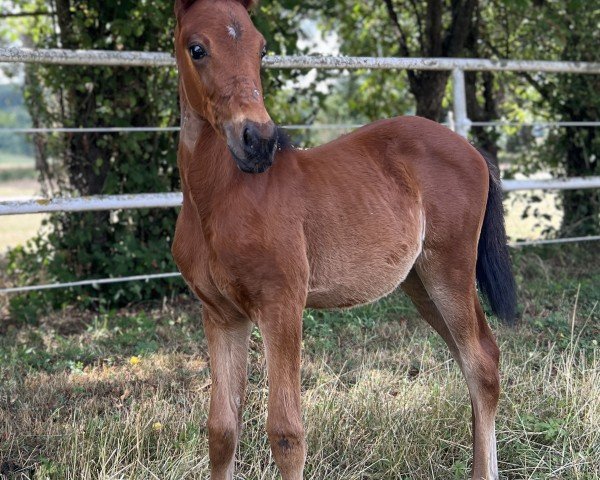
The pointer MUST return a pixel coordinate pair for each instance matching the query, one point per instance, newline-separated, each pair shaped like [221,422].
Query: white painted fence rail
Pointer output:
[572,183]
[21,206]
[93,282]
[313,126]
[460,123]
[161,59]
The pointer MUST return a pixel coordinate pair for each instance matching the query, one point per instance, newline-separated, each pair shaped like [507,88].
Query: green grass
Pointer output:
[124,394]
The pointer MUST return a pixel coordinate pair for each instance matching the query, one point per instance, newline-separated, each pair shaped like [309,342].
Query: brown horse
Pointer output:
[266,230]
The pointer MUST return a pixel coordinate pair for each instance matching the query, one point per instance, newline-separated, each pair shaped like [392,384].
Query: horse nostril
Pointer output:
[247,137]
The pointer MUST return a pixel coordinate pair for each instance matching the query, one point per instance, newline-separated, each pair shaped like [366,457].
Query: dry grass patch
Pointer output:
[125,394]
[396,412]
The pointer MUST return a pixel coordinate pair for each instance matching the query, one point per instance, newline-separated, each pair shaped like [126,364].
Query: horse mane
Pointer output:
[181,6]
[284,141]
[249,4]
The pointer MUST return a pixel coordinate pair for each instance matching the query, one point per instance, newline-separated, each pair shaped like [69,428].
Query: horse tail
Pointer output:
[494,270]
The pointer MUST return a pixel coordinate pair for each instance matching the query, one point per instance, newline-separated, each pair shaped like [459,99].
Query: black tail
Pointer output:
[494,269]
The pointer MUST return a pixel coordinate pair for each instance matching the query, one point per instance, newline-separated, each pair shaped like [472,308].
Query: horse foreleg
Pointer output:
[228,351]
[281,329]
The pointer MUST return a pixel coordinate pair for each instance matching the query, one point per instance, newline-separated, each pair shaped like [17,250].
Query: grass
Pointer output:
[124,394]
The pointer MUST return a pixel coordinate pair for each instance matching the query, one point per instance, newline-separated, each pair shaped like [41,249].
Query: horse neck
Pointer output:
[205,164]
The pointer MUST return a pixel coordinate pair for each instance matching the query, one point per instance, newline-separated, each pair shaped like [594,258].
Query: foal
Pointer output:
[266,230]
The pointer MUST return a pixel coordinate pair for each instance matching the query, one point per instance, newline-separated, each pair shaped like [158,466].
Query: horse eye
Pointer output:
[263,53]
[198,52]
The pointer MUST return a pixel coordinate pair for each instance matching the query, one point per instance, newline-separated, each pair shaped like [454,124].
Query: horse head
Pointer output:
[219,53]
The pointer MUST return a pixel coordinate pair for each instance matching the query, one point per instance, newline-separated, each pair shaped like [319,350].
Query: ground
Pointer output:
[124,394]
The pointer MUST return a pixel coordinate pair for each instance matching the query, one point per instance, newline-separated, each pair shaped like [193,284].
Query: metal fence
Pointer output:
[459,122]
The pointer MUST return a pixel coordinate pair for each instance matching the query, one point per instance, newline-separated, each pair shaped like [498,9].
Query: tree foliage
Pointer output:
[137,241]
[104,244]
[560,30]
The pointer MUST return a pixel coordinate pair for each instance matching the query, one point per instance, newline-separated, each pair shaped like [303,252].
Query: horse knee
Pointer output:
[287,442]
[222,440]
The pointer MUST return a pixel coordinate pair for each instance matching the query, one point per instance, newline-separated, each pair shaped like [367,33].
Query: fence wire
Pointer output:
[159,59]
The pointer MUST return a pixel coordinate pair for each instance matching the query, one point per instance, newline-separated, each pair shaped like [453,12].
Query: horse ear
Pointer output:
[249,4]
[182,5]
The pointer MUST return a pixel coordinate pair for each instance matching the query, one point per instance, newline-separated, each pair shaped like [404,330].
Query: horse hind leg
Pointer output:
[453,310]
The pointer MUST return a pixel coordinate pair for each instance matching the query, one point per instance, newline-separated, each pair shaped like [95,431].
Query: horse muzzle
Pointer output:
[252,145]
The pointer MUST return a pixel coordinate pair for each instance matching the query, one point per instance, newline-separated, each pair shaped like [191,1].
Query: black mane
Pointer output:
[283,140]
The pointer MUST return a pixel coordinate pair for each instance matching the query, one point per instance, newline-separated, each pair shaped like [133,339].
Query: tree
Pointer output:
[442,29]
[407,28]
[103,244]
[523,29]
[559,30]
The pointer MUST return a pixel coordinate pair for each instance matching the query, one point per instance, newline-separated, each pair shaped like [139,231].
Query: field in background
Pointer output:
[10,160]
[530,228]
[124,394]
[17,229]
[17,179]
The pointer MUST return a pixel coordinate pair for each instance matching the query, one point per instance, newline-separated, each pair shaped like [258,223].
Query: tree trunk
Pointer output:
[485,138]
[581,208]
[429,88]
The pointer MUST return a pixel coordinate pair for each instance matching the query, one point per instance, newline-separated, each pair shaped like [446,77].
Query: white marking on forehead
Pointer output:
[232,31]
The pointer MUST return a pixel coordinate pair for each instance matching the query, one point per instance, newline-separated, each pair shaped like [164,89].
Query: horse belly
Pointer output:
[354,273]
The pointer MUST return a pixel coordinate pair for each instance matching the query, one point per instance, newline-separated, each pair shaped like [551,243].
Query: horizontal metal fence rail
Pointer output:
[32,130]
[314,126]
[459,122]
[501,123]
[94,282]
[572,183]
[162,59]
[21,206]
[89,204]
[554,241]
[160,276]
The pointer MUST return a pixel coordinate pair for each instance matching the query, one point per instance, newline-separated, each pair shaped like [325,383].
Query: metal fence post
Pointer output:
[461,121]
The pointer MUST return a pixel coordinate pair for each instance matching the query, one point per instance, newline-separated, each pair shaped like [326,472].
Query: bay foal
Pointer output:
[266,230]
